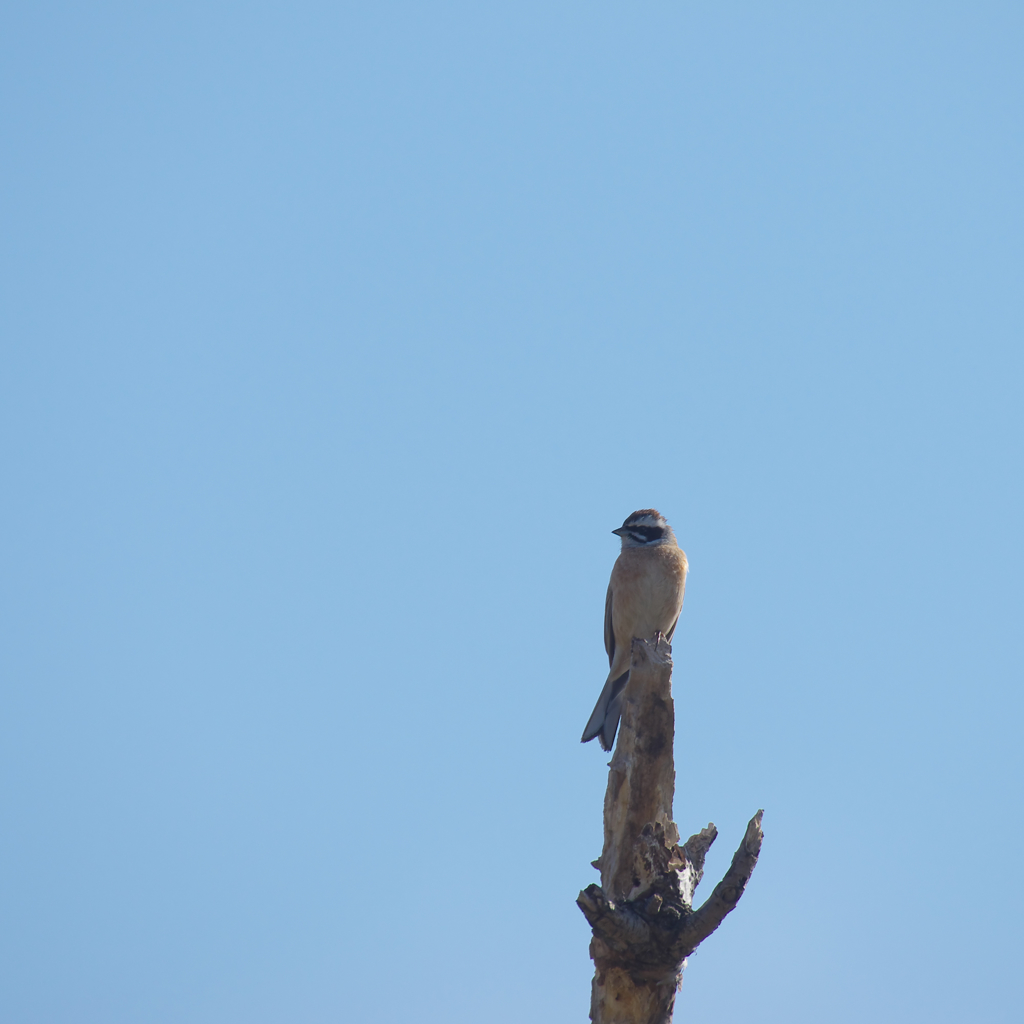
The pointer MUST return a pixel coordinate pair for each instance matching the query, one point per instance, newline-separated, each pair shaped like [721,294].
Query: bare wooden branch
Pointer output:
[641,914]
[728,891]
[641,779]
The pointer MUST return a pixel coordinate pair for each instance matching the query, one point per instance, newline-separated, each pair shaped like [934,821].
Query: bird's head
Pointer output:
[645,529]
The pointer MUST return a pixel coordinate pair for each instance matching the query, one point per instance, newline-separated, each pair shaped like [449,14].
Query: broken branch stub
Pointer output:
[642,917]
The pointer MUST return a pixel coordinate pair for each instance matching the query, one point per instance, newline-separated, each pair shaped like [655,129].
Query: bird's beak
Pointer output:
[618,532]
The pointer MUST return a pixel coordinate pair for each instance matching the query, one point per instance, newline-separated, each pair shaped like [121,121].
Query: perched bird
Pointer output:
[645,596]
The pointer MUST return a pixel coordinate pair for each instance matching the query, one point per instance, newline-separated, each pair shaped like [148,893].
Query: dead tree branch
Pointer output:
[641,914]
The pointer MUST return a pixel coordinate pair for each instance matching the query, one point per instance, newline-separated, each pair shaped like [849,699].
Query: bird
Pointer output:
[645,596]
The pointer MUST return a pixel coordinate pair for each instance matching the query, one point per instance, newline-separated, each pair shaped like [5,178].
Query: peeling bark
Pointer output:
[641,914]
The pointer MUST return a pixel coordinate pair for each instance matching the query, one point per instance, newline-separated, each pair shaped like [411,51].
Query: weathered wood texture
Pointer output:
[642,913]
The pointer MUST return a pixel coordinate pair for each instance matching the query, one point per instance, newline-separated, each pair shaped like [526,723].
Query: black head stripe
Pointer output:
[646,534]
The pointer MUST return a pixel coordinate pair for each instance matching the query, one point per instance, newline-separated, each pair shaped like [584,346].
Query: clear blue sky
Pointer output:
[337,338]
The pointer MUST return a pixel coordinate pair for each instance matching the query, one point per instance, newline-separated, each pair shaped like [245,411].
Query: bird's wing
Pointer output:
[609,633]
[668,635]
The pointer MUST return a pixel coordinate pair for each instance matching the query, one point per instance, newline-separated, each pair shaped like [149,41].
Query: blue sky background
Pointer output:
[338,338]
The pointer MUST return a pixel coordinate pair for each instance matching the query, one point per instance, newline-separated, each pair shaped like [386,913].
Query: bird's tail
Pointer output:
[604,722]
